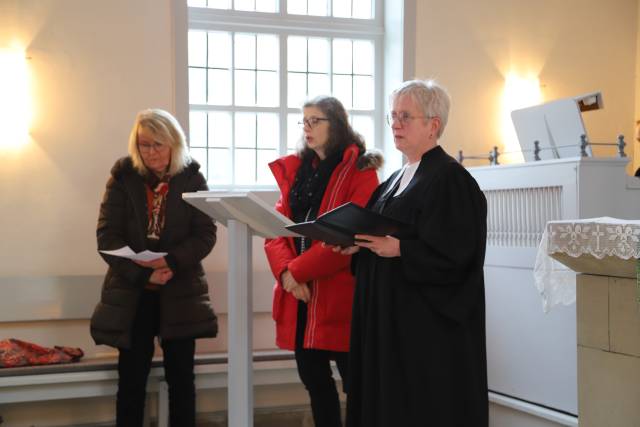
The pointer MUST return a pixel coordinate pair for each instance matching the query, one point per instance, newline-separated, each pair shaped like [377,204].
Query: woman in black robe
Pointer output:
[418,353]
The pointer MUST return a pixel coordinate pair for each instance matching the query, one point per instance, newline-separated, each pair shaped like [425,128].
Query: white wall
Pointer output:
[93,66]
[574,46]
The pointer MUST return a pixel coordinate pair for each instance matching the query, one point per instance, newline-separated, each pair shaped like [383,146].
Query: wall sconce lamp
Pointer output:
[519,92]
[15,98]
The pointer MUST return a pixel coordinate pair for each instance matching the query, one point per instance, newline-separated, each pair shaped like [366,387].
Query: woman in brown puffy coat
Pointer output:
[167,297]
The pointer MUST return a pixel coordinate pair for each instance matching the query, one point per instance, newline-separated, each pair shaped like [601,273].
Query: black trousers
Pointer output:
[315,372]
[134,365]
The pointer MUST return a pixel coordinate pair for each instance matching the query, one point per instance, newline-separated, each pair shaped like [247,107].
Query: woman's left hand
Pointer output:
[154,264]
[385,246]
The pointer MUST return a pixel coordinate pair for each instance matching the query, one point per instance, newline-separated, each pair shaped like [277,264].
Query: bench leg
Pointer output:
[163,404]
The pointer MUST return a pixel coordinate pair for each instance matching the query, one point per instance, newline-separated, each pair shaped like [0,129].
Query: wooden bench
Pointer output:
[99,378]
[45,309]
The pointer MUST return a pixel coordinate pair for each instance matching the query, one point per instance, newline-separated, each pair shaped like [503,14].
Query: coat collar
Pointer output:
[284,170]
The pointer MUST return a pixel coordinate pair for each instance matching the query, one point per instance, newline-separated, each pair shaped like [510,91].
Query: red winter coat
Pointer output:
[326,272]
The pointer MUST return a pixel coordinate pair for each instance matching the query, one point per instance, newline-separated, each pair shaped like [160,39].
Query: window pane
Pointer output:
[266,6]
[219,166]
[219,4]
[319,85]
[245,166]
[268,89]
[197,85]
[297,89]
[319,55]
[297,7]
[265,177]
[363,92]
[364,126]
[342,90]
[342,8]
[219,129]
[197,3]
[297,54]
[245,51]
[363,57]
[219,50]
[219,87]
[294,131]
[244,5]
[268,131]
[245,130]
[362,9]
[342,56]
[197,129]
[319,7]
[243,69]
[245,87]
[200,156]
[268,52]
[197,49]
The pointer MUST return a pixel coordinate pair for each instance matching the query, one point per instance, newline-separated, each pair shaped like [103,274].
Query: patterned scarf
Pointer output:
[156,206]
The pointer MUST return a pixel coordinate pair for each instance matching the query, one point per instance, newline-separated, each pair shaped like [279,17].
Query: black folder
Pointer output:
[339,225]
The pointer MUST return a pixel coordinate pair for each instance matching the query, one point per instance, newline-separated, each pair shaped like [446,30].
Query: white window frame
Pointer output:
[283,25]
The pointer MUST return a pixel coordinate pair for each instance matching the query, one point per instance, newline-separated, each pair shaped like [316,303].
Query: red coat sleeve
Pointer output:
[320,261]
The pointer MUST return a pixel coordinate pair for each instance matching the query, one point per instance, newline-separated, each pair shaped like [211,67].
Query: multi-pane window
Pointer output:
[246,87]
[244,5]
[357,9]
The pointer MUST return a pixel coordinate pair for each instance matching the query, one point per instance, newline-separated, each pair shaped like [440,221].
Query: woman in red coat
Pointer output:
[314,287]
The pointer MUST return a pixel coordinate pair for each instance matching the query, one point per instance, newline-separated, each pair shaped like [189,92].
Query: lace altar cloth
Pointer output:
[594,237]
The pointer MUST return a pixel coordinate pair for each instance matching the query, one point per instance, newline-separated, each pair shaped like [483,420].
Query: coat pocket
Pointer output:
[111,318]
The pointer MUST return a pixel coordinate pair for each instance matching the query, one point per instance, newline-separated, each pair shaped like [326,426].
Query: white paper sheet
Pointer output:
[127,252]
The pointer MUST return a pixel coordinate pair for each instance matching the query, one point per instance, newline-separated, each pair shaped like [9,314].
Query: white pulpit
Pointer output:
[244,214]
[532,357]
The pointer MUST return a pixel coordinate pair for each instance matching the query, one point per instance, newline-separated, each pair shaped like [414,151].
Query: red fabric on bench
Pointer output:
[14,352]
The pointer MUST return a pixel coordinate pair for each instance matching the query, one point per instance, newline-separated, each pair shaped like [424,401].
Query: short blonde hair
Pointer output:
[430,96]
[167,131]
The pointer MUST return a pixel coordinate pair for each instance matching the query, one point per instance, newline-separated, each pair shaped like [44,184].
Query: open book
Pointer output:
[338,226]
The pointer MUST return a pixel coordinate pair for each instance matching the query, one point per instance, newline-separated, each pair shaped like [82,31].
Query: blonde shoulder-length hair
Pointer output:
[167,131]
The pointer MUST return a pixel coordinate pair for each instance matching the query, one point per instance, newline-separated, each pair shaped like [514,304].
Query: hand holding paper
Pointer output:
[161,276]
[155,264]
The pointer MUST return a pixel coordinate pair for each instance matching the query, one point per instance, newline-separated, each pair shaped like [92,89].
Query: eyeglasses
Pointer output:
[156,146]
[403,118]
[312,121]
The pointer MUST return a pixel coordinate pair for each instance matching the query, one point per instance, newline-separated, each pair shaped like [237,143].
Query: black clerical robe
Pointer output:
[418,352]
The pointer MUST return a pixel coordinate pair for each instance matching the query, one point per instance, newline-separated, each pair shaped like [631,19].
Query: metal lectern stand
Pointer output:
[244,214]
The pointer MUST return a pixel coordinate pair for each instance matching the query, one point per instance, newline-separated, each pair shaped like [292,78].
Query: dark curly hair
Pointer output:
[341,134]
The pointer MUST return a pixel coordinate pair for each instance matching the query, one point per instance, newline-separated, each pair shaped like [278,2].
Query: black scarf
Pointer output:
[309,186]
